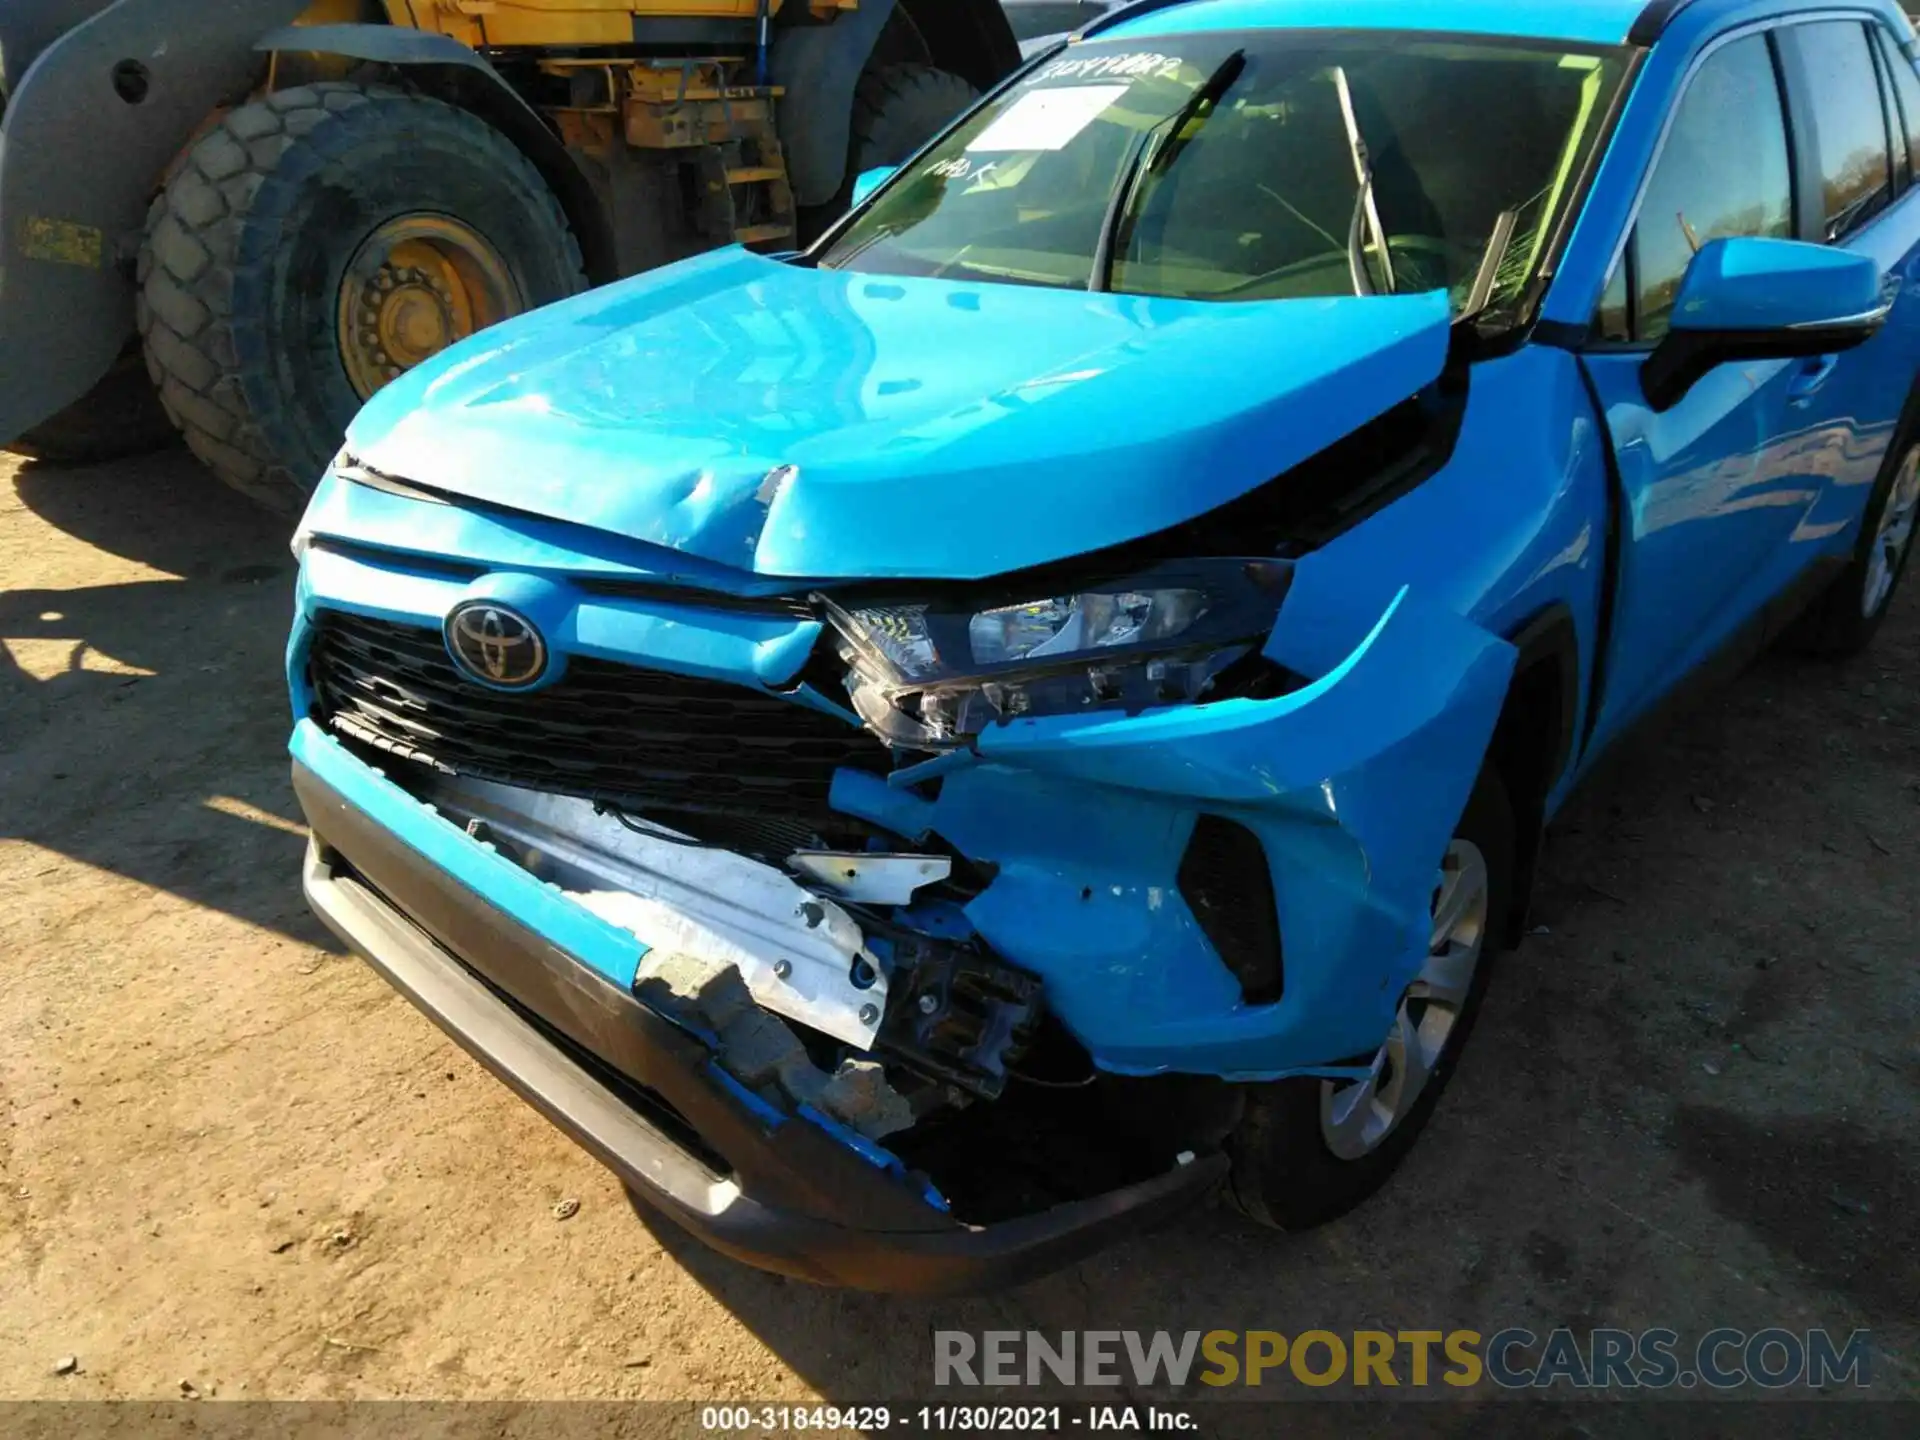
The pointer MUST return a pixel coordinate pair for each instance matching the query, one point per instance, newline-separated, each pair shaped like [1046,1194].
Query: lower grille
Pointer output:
[642,740]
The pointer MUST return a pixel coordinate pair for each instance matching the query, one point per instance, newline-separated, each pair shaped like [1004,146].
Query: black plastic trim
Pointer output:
[1610,562]
[369,554]
[1550,638]
[1684,357]
[797,1201]
[1807,186]
[1892,115]
[1653,21]
[1227,881]
[1561,334]
[778,605]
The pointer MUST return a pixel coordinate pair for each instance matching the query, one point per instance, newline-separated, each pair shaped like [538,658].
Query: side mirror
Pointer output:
[871,180]
[1760,299]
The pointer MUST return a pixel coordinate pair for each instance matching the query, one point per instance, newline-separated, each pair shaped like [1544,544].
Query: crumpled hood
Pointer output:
[825,424]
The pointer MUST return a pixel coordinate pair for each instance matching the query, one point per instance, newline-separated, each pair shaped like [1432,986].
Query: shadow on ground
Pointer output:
[1689,1103]
[143,723]
[162,510]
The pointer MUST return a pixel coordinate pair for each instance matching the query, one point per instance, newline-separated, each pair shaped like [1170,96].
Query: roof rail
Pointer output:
[1126,12]
[1649,27]
[1654,20]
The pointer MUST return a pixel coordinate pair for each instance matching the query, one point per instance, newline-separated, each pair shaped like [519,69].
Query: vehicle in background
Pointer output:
[1040,23]
[928,752]
[243,219]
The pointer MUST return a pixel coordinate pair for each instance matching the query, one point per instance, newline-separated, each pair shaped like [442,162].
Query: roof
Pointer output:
[1593,22]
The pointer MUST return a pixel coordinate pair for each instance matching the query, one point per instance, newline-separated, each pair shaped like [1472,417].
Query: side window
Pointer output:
[1613,323]
[1906,89]
[1848,126]
[1723,171]
[1902,160]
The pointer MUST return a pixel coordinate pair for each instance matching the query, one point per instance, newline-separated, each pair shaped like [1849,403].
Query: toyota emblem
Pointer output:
[495,645]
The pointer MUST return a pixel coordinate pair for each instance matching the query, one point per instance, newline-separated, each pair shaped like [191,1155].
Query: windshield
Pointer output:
[1256,166]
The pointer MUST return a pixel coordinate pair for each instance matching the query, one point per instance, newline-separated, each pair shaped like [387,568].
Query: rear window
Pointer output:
[1849,125]
[1906,92]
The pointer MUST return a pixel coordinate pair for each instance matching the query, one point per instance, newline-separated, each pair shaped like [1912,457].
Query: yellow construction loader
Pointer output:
[240,218]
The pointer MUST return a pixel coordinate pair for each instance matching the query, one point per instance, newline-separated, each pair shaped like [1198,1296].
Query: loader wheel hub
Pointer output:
[416,285]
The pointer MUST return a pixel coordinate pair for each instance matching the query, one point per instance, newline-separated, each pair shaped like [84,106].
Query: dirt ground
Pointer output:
[233,1157]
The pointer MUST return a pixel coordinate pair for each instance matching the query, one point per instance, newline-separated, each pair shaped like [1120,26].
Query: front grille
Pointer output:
[643,740]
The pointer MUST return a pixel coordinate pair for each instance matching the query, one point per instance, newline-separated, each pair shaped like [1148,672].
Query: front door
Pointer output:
[1716,486]
[1849,103]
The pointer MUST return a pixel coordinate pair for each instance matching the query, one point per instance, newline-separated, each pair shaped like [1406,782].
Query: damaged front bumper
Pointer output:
[1110,859]
[439,916]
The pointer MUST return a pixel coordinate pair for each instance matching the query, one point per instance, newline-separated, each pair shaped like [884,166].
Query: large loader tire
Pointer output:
[312,246]
[898,108]
[119,416]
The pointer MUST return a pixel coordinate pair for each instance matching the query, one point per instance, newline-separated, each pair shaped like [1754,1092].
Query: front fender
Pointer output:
[1354,785]
[79,161]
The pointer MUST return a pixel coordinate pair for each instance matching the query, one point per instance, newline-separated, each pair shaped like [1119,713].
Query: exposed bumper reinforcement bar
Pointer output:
[787,1196]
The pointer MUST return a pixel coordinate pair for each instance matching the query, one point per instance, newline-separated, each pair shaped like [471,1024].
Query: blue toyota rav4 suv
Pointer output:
[926,752]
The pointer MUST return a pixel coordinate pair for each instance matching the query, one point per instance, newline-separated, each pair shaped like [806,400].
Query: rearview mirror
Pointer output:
[872,180]
[1761,299]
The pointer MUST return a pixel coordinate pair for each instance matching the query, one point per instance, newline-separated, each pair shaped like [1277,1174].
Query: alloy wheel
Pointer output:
[1893,536]
[1357,1116]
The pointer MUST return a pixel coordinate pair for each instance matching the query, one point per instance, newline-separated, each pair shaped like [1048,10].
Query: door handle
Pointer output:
[1812,376]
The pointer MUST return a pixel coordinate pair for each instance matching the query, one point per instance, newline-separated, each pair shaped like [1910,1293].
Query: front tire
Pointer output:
[1846,617]
[1307,1150]
[315,244]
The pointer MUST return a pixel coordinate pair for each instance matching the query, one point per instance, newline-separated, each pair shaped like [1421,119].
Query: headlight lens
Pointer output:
[932,674]
[1070,624]
[899,634]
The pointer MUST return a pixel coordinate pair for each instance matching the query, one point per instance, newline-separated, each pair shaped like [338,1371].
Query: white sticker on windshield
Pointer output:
[1046,119]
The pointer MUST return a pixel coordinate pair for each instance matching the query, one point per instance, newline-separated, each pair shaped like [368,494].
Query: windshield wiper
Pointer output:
[1364,205]
[1145,158]
[1495,255]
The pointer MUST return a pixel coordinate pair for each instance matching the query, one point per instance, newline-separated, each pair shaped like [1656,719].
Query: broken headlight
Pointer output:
[932,674]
